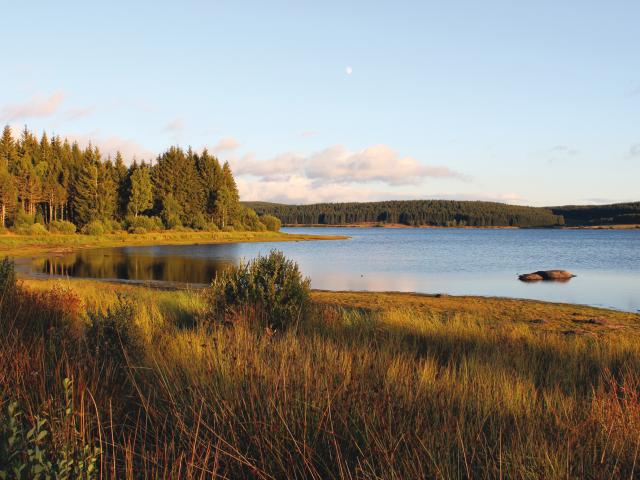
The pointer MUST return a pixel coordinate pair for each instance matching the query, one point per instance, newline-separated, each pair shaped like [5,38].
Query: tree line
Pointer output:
[52,181]
[444,213]
[617,213]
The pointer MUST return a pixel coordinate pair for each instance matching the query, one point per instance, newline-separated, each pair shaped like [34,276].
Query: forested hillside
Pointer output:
[617,213]
[412,212]
[52,182]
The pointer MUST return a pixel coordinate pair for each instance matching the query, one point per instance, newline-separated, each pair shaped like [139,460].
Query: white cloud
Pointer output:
[75,113]
[301,190]
[225,144]
[112,144]
[174,126]
[337,165]
[36,106]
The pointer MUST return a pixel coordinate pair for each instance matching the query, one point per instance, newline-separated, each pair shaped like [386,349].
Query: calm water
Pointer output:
[454,261]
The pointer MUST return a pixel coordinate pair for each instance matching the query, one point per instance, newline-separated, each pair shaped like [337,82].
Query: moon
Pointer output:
[348,70]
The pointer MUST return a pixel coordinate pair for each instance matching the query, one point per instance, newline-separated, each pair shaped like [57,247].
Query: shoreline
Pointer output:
[496,227]
[367,299]
[352,298]
[26,245]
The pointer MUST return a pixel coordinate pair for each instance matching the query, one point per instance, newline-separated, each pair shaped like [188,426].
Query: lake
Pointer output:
[453,261]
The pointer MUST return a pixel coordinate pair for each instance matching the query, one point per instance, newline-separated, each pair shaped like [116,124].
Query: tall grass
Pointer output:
[395,392]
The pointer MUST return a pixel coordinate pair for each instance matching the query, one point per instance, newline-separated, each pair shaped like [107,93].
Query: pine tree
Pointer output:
[7,148]
[141,195]
[7,194]
[210,174]
[121,179]
[86,195]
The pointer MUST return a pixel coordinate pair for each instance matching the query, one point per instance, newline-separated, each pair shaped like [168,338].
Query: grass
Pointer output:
[371,386]
[24,245]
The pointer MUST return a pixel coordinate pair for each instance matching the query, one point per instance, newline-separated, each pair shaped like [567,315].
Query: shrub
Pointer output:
[139,231]
[8,279]
[33,229]
[23,219]
[28,448]
[272,223]
[270,289]
[180,228]
[62,226]
[113,335]
[199,222]
[149,224]
[248,220]
[39,218]
[112,226]
[95,228]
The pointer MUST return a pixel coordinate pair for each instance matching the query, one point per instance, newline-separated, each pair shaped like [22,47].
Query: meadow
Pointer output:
[132,382]
[24,245]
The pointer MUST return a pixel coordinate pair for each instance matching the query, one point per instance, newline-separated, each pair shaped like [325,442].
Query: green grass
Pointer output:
[24,245]
[372,386]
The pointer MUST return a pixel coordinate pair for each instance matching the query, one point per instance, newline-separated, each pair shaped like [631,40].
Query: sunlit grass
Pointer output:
[372,386]
[21,245]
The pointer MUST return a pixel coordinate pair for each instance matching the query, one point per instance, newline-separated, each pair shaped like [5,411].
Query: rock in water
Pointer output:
[546,275]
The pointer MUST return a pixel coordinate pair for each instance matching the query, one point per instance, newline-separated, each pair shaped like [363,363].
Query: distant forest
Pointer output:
[444,213]
[53,182]
[618,213]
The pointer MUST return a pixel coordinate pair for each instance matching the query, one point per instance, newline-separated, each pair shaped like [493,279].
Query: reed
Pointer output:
[369,386]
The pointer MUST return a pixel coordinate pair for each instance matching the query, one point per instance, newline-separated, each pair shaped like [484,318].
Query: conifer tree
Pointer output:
[7,194]
[141,195]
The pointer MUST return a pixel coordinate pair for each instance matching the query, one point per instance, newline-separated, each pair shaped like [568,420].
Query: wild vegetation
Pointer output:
[53,185]
[443,213]
[129,382]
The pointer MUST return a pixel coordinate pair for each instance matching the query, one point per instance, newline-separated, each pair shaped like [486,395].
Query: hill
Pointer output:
[444,213]
[584,215]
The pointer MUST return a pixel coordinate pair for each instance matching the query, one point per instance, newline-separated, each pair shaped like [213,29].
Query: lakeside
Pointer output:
[26,245]
[401,225]
[510,386]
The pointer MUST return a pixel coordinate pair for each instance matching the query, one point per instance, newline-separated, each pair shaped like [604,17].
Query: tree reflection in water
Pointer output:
[135,265]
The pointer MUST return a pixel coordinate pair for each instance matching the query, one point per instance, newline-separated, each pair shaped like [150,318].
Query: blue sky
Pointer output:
[524,102]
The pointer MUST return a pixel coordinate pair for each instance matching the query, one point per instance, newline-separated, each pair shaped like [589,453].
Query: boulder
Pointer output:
[558,275]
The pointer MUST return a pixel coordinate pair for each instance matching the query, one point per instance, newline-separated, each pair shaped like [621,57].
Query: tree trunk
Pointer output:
[3,214]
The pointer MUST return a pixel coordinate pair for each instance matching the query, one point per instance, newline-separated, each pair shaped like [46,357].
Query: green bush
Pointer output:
[23,219]
[199,222]
[29,450]
[33,229]
[272,223]
[39,218]
[113,335]
[149,224]
[112,226]
[248,220]
[95,228]
[8,279]
[270,290]
[62,226]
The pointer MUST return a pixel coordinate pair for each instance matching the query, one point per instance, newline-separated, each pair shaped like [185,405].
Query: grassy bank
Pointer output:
[371,386]
[24,245]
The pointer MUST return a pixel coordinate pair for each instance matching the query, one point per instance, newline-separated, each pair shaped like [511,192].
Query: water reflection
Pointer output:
[141,265]
[457,262]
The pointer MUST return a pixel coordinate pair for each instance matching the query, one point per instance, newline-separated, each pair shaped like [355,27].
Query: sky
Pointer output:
[534,103]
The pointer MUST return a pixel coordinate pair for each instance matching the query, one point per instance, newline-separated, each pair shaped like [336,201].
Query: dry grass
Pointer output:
[24,245]
[372,386]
